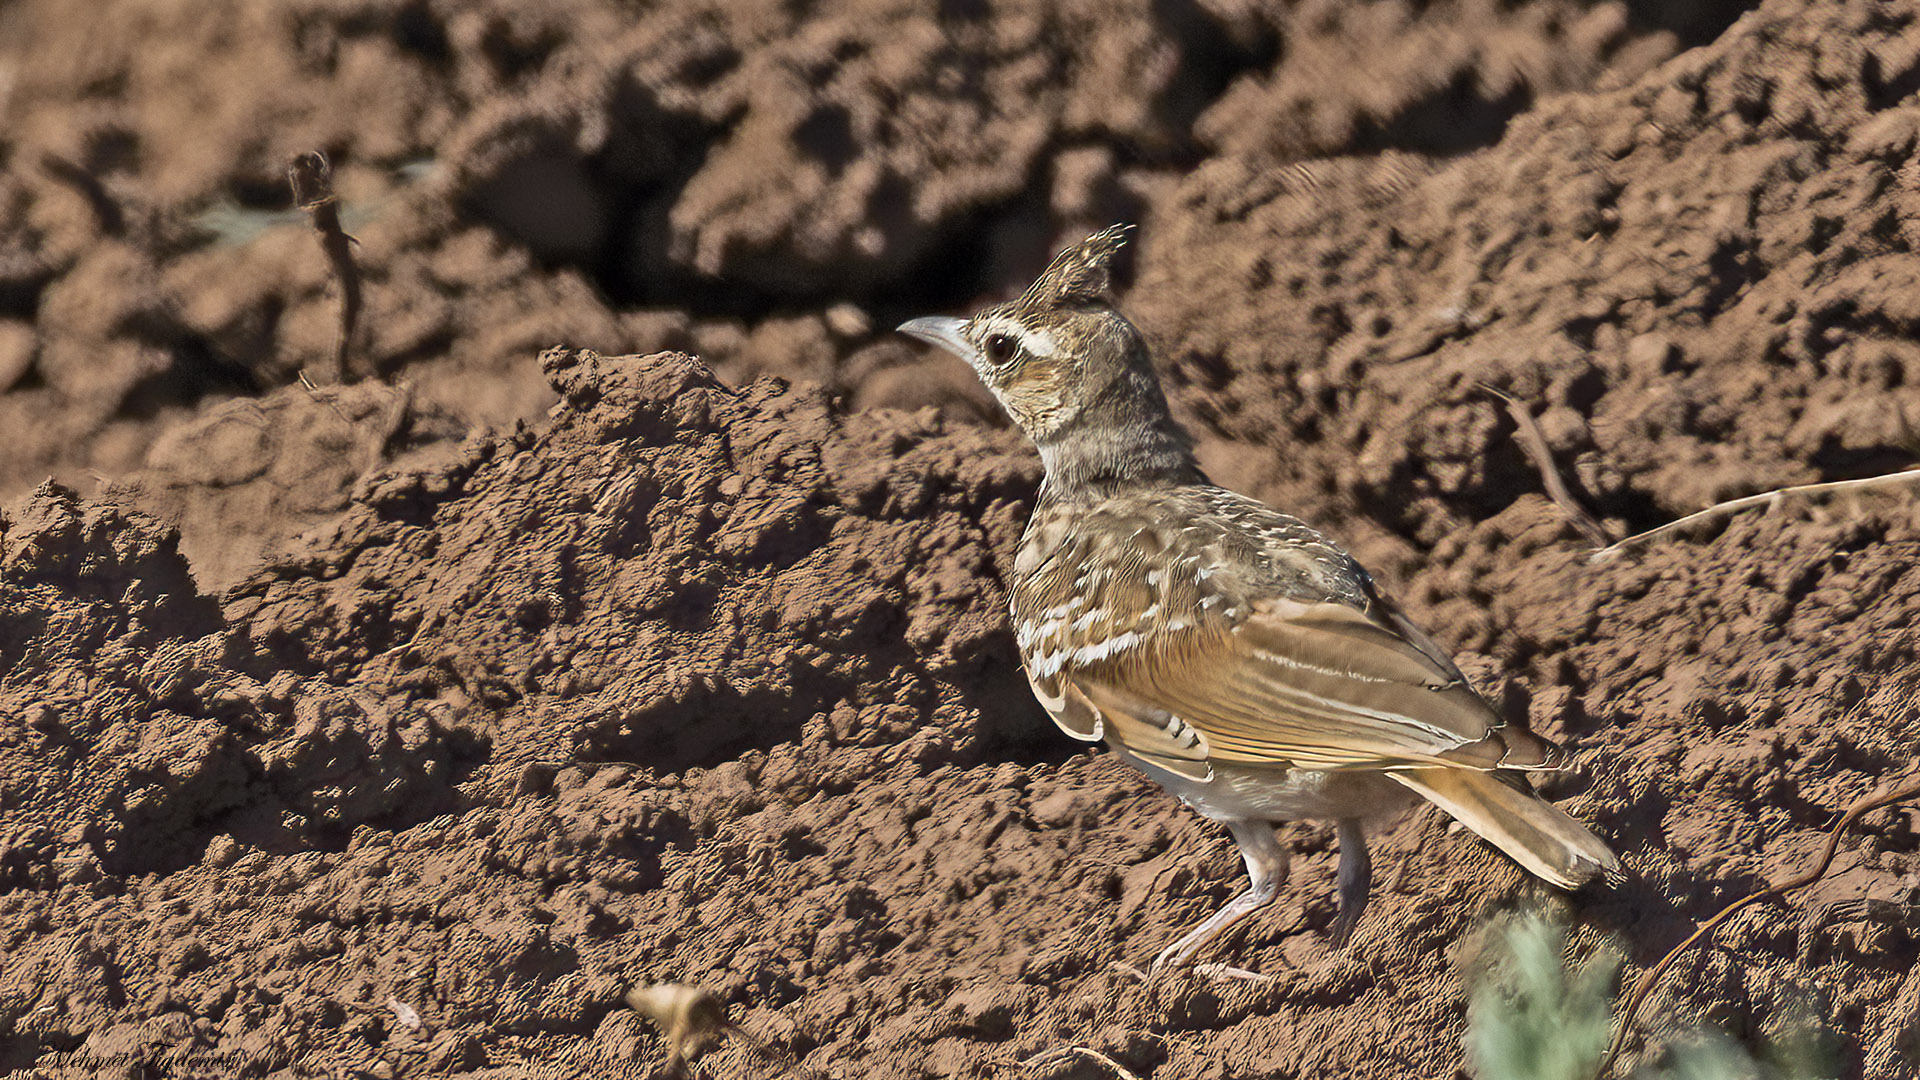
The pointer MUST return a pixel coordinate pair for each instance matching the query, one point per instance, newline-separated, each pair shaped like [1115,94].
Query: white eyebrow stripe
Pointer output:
[1039,343]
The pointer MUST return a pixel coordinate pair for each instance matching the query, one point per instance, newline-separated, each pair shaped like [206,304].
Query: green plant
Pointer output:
[1533,1016]
[1534,1013]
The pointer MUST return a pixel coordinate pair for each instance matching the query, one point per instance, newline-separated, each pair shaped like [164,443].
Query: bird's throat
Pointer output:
[1118,442]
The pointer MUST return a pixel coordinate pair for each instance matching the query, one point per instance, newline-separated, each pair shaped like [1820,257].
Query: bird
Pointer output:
[1231,652]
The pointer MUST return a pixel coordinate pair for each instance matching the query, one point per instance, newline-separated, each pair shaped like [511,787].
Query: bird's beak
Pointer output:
[942,331]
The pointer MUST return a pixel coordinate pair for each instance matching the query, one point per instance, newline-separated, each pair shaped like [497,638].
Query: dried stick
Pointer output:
[1651,978]
[1535,446]
[1084,1051]
[312,180]
[1765,498]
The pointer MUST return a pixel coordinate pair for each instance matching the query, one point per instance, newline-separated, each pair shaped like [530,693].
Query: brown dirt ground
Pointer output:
[395,725]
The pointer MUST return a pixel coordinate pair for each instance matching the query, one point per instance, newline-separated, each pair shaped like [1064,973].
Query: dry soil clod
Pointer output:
[690,1018]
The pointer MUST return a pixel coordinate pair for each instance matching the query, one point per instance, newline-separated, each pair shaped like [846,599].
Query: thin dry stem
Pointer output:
[1651,978]
[1229,972]
[1527,430]
[1765,498]
[326,399]
[1084,1051]
[312,181]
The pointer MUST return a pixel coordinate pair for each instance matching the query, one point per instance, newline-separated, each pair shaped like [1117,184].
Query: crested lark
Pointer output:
[1229,651]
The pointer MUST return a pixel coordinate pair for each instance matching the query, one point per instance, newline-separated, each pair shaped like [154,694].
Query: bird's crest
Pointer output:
[1079,274]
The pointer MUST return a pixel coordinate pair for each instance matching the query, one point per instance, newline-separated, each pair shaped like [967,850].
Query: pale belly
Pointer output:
[1243,794]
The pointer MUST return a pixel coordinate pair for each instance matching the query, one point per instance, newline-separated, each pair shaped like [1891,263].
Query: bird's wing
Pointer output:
[1090,711]
[1301,684]
[1203,628]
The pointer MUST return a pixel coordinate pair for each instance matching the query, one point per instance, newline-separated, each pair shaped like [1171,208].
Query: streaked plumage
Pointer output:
[1230,651]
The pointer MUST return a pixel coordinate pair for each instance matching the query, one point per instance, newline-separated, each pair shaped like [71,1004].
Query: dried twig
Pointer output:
[312,180]
[1765,498]
[1228,971]
[1651,978]
[1535,446]
[1084,1051]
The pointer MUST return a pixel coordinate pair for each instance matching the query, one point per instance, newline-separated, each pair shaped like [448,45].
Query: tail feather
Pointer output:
[1537,834]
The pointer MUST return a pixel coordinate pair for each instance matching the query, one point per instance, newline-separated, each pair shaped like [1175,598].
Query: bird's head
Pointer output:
[1050,353]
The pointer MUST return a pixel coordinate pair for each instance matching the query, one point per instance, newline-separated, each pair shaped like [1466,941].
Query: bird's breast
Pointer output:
[1109,587]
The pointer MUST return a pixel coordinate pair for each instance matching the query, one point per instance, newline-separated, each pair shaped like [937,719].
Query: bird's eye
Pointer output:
[1000,348]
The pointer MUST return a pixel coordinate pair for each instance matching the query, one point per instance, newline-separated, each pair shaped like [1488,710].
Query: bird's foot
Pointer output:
[1179,955]
[1356,877]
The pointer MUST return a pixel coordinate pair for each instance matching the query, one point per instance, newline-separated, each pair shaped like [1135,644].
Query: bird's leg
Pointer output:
[1356,876]
[1266,860]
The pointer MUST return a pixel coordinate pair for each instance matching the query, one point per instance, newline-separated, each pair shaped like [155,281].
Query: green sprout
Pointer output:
[1534,1013]
[1531,1015]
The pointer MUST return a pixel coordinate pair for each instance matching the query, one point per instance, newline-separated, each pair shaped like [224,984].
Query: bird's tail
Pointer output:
[1539,835]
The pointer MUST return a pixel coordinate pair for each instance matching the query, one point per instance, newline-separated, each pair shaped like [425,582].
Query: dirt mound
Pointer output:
[1701,284]
[772,187]
[247,476]
[661,576]
[446,729]
[128,684]
[715,685]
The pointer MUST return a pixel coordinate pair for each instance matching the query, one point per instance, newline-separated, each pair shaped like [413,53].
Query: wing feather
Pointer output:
[1148,731]
[1198,627]
[1319,686]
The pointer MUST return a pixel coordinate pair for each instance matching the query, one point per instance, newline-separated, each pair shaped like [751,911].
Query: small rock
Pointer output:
[1057,810]
[848,321]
